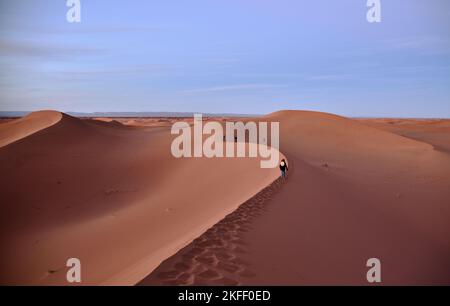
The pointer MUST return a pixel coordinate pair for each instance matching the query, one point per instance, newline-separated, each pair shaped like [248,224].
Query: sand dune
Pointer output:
[435,132]
[354,192]
[17,129]
[112,196]
[214,257]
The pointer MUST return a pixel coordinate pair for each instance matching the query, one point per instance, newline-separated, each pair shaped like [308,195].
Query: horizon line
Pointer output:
[156,114]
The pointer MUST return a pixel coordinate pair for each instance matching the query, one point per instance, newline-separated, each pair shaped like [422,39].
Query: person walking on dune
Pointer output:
[284,168]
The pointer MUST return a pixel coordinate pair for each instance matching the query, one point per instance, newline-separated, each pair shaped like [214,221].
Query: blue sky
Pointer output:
[232,56]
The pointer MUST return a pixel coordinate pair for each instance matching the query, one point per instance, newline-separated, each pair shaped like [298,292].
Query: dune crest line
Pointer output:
[214,257]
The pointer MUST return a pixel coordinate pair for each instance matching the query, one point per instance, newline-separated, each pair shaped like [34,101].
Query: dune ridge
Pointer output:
[435,132]
[353,192]
[28,125]
[112,196]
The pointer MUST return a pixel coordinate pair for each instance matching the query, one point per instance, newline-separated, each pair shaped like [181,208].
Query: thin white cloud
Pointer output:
[31,49]
[328,77]
[423,43]
[270,75]
[24,28]
[221,60]
[237,87]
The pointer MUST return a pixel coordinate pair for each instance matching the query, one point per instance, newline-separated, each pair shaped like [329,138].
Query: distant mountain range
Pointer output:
[17,114]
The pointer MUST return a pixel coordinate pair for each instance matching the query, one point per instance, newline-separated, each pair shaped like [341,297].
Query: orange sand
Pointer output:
[110,194]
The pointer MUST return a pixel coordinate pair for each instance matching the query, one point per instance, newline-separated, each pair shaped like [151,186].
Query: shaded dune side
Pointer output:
[112,196]
[358,192]
[60,162]
[17,129]
[214,257]
[433,131]
[354,192]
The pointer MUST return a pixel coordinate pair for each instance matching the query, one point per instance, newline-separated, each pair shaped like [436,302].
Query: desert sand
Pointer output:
[354,192]
[110,194]
[435,132]
[14,130]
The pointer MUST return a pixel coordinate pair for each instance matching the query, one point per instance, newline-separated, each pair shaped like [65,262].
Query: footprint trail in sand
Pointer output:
[214,257]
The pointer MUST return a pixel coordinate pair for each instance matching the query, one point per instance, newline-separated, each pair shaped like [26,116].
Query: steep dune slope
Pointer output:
[17,129]
[110,195]
[433,131]
[353,193]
